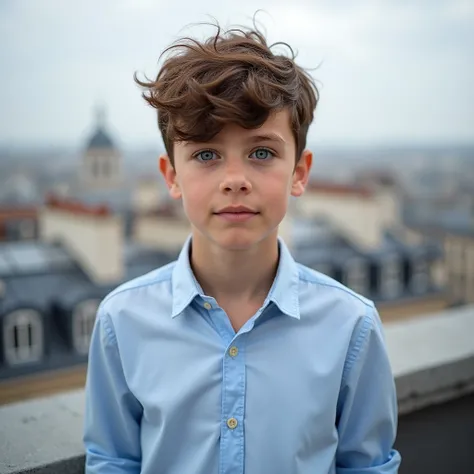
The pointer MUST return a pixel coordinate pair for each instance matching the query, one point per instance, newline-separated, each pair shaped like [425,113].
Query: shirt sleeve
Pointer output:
[367,405]
[112,413]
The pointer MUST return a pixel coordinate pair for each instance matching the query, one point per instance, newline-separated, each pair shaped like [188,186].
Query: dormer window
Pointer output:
[357,275]
[23,337]
[83,319]
[419,281]
[390,277]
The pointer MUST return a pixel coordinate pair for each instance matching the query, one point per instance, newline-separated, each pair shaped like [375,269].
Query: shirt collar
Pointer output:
[184,284]
[284,291]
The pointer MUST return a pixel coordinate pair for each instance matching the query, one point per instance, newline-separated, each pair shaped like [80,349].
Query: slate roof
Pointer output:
[321,243]
[459,222]
[317,244]
[45,277]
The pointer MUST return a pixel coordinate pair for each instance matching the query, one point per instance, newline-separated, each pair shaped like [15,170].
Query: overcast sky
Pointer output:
[390,71]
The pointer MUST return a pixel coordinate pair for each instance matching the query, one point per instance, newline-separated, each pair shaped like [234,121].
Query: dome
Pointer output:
[100,139]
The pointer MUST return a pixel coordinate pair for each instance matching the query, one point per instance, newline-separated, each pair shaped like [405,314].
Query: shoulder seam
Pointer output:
[103,314]
[368,304]
[134,287]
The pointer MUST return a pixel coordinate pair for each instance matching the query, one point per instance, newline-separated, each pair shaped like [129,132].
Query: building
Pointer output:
[99,177]
[101,163]
[50,290]
[18,222]
[455,231]
[19,188]
[401,278]
[355,234]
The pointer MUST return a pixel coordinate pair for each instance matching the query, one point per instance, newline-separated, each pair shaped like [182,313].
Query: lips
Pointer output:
[236,210]
[236,213]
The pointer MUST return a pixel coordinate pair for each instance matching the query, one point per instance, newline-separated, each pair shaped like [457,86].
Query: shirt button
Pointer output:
[233,351]
[207,305]
[232,423]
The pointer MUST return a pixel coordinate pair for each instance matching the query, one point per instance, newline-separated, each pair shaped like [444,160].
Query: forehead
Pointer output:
[277,128]
[278,123]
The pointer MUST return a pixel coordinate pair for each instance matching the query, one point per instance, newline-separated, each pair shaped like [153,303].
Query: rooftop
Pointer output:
[341,189]
[435,221]
[76,206]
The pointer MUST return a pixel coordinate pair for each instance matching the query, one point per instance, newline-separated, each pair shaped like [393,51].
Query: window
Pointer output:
[420,280]
[83,320]
[357,275]
[455,254]
[459,288]
[390,277]
[105,167]
[23,336]
[95,167]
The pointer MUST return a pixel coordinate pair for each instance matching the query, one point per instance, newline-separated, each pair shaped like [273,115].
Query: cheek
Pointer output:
[277,192]
[193,194]
[278,186]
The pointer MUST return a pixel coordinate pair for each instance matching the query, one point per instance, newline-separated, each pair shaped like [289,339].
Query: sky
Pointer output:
[389,71]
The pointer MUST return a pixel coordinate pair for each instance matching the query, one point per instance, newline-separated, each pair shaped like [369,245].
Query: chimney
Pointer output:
[92,234]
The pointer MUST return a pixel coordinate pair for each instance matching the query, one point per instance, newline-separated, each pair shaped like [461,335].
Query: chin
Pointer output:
[238,239]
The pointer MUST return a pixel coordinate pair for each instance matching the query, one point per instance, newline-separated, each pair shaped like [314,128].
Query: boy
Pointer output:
[235,359]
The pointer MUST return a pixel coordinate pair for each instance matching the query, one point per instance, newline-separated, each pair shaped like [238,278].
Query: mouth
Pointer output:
[236,213]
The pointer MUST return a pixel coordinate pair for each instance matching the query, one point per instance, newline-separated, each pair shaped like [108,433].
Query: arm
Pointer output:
[367,405]
[112,413]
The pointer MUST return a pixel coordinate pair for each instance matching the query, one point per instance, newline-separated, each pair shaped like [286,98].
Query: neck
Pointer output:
[230,274]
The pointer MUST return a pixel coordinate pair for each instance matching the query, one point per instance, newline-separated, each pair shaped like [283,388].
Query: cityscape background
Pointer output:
[389,211]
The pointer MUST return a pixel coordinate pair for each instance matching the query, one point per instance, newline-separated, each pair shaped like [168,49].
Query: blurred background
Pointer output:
[389,211]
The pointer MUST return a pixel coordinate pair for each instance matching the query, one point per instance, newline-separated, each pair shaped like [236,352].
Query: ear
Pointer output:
[169,173]
[301,173]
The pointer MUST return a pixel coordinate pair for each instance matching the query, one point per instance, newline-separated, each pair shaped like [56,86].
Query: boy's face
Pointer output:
[235,189]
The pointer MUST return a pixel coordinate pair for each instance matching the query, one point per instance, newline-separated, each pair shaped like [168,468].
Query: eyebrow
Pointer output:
[267,137]
[261,137]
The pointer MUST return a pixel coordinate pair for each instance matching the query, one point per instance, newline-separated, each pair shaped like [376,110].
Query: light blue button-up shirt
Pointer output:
[305,386]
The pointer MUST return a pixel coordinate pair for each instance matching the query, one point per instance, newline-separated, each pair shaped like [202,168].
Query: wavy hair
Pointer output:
[232,77]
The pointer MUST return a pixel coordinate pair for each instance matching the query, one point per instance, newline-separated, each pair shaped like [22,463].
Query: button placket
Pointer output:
[233,407]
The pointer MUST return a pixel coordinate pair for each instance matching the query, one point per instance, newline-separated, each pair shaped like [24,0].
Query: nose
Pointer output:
[235,181]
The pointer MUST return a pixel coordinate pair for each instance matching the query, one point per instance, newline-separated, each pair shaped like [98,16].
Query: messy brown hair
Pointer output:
[232,77]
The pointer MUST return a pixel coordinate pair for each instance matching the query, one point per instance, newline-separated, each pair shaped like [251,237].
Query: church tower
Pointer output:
[101,163]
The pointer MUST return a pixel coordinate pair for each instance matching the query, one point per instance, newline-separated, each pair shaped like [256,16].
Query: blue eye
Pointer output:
[205,155]
[262,154]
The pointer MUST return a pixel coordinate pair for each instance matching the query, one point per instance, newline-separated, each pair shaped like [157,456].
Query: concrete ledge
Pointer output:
[432,357]
[432,360]
[43,436]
